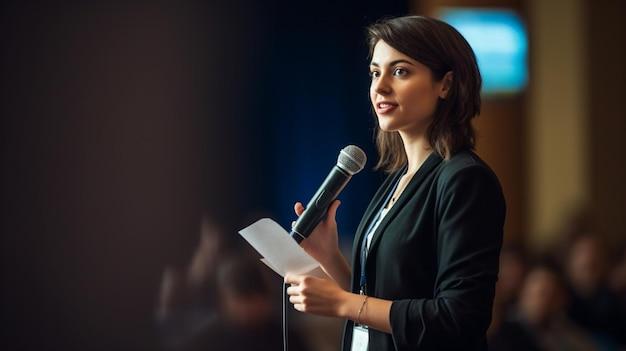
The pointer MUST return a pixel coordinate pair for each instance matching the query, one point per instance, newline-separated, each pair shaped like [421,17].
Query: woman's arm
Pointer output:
[327,298]
[374,311]
[470,217]
[338,269]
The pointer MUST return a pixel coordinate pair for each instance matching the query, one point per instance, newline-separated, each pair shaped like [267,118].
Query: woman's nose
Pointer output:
[381,86]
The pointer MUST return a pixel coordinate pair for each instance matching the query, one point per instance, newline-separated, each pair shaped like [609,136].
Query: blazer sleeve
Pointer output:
[470,215]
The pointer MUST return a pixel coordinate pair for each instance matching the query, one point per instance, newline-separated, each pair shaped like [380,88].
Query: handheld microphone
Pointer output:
[351,161]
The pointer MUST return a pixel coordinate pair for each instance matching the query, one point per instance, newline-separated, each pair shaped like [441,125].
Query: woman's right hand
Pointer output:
[323,243]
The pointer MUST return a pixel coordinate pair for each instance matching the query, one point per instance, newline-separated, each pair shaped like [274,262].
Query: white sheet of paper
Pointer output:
[280,252]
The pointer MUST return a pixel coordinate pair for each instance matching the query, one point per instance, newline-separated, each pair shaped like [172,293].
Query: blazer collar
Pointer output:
[431,162]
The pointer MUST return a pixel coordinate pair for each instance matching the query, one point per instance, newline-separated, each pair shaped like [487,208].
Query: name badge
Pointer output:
[360,338]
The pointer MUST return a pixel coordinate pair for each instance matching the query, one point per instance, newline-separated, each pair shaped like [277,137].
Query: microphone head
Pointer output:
[351,159]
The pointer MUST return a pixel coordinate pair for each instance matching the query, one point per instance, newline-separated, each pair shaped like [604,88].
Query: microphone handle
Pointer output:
[318,205]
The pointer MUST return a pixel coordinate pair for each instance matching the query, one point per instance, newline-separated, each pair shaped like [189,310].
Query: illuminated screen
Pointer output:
[500,42]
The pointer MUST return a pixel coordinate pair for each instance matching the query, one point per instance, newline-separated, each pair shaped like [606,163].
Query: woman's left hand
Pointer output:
[316,295]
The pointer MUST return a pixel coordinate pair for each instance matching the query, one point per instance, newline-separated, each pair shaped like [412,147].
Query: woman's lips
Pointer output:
[385,108]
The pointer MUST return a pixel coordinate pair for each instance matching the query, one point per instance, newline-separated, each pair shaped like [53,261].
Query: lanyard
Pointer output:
[364,249]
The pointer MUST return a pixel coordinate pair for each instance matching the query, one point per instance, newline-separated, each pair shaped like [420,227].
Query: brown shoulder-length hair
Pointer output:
[441,48]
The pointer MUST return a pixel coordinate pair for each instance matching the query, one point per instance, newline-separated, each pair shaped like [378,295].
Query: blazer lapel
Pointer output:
[371,211]
[431,162]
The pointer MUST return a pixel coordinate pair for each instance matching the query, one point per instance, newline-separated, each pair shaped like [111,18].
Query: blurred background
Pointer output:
[138,137]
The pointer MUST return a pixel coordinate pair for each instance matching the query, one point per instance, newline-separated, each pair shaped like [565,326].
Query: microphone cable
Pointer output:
[285,310]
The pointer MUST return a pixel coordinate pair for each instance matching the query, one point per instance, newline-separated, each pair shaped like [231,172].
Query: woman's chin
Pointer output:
[385,126]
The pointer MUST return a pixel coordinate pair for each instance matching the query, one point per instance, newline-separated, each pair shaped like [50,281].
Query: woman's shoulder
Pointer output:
[467,178]
[466,164]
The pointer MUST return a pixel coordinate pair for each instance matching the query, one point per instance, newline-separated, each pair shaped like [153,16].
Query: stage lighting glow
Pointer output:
[500,42]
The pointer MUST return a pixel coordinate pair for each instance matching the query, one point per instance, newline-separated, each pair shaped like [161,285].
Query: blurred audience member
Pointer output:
[539,321]
[247,319]
[617,278]
[187,302]
[513,267]
[593,305]
[220,300]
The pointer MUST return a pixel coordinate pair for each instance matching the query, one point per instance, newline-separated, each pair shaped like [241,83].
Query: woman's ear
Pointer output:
[446,84]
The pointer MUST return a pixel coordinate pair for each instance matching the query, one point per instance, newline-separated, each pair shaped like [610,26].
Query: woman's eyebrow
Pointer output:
[392,62]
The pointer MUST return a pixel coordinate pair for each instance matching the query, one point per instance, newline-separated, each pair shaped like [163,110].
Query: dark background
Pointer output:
[124,123]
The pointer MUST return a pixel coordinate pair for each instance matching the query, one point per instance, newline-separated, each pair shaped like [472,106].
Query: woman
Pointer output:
[425,259]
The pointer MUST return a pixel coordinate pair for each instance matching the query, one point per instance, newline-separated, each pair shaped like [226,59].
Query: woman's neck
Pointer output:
[417,149]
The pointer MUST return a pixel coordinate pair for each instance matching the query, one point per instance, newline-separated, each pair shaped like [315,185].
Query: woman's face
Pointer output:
[403,91]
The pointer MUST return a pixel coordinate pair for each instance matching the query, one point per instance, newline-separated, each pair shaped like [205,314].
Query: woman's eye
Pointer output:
[400,72]
[396,72]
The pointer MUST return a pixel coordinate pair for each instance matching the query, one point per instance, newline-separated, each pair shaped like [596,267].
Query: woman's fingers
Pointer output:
[293,290]
[296,299]
[298,208]
[294,279]
[332,209]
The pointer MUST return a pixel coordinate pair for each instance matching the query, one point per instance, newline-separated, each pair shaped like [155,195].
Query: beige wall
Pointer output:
[607,119]
[558,141]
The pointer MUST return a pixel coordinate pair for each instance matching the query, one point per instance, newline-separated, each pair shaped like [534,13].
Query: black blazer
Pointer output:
[435,255]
